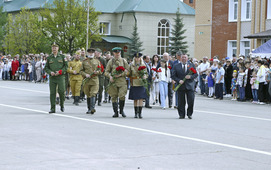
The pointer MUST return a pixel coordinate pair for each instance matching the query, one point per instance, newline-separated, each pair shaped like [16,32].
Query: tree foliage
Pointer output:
[177,40]
[136,45]
[3,21]
[23,33]
[65,22]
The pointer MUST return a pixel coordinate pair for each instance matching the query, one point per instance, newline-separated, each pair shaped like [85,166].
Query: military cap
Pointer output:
[91,50]
[138,55]
[98,50]
[116,49]
[54,44]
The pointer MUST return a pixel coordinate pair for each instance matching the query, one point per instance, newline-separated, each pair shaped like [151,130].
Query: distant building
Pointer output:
[191,3]
[154,19]
[227,27]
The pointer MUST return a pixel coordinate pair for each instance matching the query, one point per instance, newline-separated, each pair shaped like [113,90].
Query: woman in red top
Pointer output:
[14,66]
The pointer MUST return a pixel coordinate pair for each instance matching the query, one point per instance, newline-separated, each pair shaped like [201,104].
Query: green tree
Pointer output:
[136,45]
[65,22]
[3,21]
[23,33]
[177,40]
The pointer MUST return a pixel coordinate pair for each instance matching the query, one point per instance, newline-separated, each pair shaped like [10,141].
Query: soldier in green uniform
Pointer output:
[119,89]
[56,67]
[75,77]
[98,53]
[90,70]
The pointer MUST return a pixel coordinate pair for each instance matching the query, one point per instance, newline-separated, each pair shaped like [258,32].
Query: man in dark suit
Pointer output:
[177,61]
[147,61]
[170,65]
[179,72]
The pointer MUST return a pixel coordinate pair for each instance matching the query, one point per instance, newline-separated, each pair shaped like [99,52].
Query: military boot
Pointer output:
[121,103]
[76,100]
[139,112]
[115,108]
[136,111]
[88,104]
[92,105]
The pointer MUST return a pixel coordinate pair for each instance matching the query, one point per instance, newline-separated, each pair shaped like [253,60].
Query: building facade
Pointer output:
[229,26]
[191,3]
[154,18]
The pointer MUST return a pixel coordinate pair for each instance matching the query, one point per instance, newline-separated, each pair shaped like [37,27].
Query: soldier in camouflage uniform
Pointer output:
[99,97]
[75,77]
[56,67]
[119,89]
[90,70]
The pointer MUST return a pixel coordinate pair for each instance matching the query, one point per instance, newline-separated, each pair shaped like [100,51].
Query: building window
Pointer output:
[246,10]
[191,1]
[232,48]
[245,48]
[163,37]
[268,9]
[233,10]
[105,28]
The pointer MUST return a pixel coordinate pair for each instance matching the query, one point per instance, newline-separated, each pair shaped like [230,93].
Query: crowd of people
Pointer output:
[242,79]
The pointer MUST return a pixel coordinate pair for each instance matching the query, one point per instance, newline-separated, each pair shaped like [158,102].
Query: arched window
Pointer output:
[163,36]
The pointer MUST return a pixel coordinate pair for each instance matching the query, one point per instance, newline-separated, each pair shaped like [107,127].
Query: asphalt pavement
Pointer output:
[223,135]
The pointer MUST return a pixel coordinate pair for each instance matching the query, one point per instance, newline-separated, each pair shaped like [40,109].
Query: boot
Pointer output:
[76,100]
[115,108]
[139,112]
[73,97]
[88,104]
[136,111]
[121,103]
[109,99]
[92,105]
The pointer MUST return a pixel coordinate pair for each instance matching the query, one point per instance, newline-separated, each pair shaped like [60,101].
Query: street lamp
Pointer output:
[87,25]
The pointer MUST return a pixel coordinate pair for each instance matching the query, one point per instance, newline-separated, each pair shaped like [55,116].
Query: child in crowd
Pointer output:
[210,81]
[164,78]
[22,75]
[254,87]
[233,85]
[241,83]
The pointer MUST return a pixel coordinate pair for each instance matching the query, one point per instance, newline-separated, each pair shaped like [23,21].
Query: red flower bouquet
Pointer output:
[60,72]
[154,69]
[191,71]
[169,67]
[159,70]
[119,70]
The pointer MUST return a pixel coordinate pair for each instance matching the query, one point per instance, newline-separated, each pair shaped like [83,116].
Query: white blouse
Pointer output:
[162,76]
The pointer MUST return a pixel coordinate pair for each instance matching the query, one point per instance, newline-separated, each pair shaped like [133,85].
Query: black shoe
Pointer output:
[115,115]
[170,106]
[181,117]
[92,111]
[105,101]
[51,111]
[121,106]
[189,117]
[62,109]
[149,107]
[175,107]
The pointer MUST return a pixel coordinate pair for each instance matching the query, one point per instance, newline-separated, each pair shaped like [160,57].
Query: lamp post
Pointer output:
[87,25]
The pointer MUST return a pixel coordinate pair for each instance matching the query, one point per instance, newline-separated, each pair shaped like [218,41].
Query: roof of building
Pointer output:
[110,6]
[117,39]
[260,35]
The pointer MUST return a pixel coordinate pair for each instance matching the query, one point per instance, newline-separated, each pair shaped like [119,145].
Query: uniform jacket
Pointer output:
[111,67]
[89,65]
[133,74]
[75,66]
[55,64]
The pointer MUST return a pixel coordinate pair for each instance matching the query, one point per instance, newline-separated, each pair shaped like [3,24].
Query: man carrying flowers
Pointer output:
[184,74]
[117,87]
[56,67]
[90,70]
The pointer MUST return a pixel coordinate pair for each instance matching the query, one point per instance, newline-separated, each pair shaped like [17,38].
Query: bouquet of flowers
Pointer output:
[119,70]
[191,71]
[92,75]
[169,67]
[142,73]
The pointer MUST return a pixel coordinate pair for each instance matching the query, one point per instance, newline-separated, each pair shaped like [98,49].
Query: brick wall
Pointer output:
[222,30]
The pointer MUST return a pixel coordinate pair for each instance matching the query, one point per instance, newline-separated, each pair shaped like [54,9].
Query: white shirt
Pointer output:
[261,74]
[220,72]
[162,76]
[204,66]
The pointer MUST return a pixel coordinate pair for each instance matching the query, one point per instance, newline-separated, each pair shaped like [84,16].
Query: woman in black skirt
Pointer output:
[137,91]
